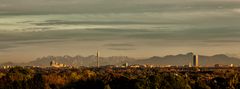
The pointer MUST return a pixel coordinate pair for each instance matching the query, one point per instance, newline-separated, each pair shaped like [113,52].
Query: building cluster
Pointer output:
[219,65]
[125,65]
[6,67]
[56,64]
[195,63]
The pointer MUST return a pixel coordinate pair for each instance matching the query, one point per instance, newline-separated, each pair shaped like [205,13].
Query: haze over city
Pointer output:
[137,28]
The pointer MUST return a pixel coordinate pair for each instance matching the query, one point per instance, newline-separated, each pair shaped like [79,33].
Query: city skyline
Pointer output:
[135,28]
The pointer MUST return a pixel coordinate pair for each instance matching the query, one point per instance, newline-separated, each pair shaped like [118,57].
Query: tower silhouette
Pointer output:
[98,54]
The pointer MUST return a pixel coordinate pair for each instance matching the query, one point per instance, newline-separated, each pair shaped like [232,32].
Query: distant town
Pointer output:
[193,65]
[57,75]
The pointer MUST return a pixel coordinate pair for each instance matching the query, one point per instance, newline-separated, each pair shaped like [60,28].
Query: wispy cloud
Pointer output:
[122,49]
[112,6]
[120,45]
[5,46]
[62,22]
[223,41]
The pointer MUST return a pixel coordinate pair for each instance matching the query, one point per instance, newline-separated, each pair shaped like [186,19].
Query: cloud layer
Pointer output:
[138,28]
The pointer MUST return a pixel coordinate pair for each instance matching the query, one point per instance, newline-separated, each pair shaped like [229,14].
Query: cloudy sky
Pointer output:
[135,28]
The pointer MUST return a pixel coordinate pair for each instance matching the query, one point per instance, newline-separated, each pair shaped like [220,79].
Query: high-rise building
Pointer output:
[98,54]
[195,61]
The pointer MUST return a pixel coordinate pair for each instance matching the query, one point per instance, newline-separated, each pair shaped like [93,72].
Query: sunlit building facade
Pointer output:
[195,61]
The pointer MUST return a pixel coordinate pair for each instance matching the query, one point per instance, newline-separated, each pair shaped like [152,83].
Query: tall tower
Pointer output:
[195,61]
[98,54]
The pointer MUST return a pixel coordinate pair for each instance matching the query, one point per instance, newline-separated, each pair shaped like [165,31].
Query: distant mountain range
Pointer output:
[76,61]
[181,59]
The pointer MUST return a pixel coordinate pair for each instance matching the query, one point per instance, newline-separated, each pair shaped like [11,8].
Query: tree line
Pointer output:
[116,78]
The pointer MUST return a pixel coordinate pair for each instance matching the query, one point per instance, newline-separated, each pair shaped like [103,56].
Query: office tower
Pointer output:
[195,60]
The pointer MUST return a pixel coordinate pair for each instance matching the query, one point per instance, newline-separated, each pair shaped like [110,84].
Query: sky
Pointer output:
[136,28]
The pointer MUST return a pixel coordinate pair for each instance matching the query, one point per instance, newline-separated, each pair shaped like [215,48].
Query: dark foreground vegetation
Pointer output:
[116,78]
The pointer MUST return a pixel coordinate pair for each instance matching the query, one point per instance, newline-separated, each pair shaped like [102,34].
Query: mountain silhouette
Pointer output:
[179,60]
[183,59]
